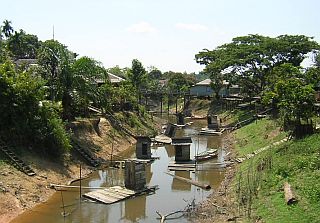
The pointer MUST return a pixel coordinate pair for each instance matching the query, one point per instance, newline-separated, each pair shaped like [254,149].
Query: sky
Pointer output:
[165,34]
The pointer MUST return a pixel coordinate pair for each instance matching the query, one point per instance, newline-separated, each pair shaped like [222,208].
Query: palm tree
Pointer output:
[7,29]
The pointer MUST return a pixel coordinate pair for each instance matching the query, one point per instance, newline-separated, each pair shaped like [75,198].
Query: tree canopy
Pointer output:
[248,60]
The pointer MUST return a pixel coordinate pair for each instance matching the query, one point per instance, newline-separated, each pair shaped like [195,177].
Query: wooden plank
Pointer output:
[181,165]
[113,194]
[98,198]
[182,168]
[123,190]
[102,195]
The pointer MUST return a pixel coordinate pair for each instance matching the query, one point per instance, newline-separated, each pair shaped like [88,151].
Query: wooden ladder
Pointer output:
[18,163]
[93,161]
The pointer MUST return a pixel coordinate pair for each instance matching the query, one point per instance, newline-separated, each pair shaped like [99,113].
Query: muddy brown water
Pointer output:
[172,195]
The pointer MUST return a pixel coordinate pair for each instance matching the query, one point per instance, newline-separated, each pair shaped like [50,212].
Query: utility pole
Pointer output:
[53,32]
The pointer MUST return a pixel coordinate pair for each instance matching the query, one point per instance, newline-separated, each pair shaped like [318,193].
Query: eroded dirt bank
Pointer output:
[19,192]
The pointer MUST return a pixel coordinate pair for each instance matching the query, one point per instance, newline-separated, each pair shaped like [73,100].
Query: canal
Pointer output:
[172,195]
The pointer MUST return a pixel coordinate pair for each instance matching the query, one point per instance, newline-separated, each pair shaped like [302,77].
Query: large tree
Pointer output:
[248,60]
[137,75]
[22,45]
[57,60]
[88,75]
[179,82]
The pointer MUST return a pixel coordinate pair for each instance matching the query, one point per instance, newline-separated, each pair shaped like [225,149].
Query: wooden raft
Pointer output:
[110,195]
[185,166]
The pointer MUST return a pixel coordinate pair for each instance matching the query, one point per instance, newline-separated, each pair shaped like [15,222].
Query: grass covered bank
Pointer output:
[259,183]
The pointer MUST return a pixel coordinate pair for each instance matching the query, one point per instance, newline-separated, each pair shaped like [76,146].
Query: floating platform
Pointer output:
[207,131]
[182,166]
[115,194]
[110,195]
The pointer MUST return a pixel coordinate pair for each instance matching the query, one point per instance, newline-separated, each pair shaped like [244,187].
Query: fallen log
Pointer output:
[195,183]
[288,194]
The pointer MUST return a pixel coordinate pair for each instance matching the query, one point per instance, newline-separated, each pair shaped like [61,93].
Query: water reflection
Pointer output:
[173,194]
[178,185]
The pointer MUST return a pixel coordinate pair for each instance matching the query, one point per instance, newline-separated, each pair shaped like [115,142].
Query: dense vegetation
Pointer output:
[43,85]
[269,68]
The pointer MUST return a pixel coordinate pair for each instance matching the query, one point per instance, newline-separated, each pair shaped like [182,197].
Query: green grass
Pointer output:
[296,161]
[257,135]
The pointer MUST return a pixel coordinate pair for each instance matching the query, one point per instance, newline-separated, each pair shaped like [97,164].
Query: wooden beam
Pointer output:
[195,183]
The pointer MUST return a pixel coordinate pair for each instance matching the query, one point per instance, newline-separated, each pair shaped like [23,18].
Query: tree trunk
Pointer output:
[288,194]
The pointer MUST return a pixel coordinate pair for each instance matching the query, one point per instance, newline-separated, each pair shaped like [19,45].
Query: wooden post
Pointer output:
[64,211]
[176,104]
[80,183]
[168,103]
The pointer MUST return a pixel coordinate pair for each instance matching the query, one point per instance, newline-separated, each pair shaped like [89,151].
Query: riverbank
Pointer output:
[219,207]
[253,191]
[224,205]
[19,192]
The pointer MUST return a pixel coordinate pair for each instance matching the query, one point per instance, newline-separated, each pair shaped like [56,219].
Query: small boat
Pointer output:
[207,131]
[206,155]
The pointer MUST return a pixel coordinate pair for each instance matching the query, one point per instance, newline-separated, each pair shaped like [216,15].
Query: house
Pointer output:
[202,88]
[182,148]
[115,80]
[143,147]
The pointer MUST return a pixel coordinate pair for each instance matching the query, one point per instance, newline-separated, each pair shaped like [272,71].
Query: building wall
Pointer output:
[201,90]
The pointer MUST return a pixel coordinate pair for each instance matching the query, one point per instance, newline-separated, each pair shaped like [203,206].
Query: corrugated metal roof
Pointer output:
[114,79]
[206,82]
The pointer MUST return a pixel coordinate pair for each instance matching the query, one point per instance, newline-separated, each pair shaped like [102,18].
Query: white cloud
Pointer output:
[142,27]
[192,27]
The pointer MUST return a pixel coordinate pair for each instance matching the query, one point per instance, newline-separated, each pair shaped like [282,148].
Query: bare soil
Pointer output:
[220,205]
[19,192]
